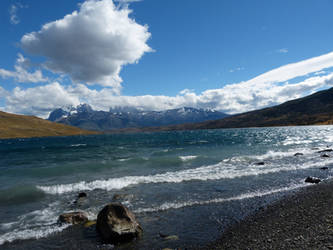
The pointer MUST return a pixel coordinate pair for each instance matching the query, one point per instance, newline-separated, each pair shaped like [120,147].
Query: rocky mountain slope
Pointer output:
[85,117]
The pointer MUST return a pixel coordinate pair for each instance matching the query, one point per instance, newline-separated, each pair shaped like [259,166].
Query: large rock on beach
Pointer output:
[310,179]
[116,224]
[73,218]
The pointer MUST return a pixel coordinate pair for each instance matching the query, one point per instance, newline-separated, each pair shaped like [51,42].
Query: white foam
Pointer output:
[78,145]
[177,205]
[33,225]
[188,157]
[19,234]
[222,170]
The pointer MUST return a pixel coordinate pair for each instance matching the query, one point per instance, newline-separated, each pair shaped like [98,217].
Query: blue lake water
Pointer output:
[192,184]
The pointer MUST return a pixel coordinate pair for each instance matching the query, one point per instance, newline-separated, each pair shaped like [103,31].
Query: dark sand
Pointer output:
[300,221]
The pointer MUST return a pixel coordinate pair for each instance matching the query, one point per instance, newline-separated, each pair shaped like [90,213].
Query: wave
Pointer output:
[35,224]
[20,194]
[222,170]
[188,157]
[78,145]
[177,205]
[19,234]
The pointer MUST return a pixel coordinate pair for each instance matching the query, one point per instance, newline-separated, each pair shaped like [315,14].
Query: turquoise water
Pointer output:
[189,183]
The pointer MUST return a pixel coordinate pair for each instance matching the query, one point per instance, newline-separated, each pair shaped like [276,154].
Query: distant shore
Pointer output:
[303,220]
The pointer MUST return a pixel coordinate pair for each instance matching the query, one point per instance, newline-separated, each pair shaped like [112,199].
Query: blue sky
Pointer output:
[232,56]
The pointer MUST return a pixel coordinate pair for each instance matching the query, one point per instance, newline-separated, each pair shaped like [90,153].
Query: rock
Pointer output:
[118,197]
[310,179]
[80,198]
[116,224]
[73,218]
[324,168]
[82,195]
[325,156]
[260,163]
[298,154]
[325,150]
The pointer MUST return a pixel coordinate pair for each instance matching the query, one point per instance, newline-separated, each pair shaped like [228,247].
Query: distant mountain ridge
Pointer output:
[315,109]
[83,116]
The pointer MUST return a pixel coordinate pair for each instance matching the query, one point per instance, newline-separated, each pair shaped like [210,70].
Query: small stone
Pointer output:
[325,156]
[324,168]
[73,218]
[310,179]
[298,154]
[82,195]
[260,163]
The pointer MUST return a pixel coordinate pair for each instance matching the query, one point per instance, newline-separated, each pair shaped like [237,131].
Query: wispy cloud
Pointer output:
[13,10]
[236,69]
[282,51]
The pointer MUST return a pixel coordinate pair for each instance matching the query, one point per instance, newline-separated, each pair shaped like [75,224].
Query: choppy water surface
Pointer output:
[191,183]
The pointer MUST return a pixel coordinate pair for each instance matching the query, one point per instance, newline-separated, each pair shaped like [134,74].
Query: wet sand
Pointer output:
[303,220]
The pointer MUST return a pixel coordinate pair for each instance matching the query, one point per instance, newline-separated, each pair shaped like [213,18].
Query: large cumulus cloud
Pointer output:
[90,45]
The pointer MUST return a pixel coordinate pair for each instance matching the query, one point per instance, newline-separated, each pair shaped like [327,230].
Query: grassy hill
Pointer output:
[21,126]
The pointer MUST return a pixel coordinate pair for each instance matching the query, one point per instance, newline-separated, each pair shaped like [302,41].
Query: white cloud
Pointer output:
[21,73]
[264,90]
[91,45]
[39,100]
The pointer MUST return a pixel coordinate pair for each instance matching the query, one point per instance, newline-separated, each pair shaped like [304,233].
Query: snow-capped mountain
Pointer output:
[85,117]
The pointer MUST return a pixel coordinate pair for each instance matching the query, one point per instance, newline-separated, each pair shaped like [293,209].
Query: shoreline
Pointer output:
[299,220]
[303,220]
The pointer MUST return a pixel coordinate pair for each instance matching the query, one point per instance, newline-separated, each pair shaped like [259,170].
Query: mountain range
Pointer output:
[315,109]
[83,116]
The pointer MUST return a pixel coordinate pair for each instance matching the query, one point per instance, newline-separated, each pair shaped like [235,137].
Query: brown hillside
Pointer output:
[21,126]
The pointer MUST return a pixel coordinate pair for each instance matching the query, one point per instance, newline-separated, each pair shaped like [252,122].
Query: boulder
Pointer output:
[310,179]
[116,224]
[325,156]
[73,218]
[260,163]
[298,154]
[324,168]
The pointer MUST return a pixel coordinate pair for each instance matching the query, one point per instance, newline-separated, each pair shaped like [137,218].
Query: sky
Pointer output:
[232,56]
